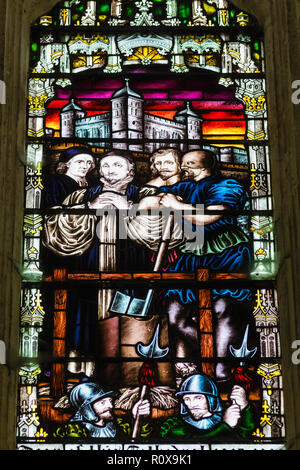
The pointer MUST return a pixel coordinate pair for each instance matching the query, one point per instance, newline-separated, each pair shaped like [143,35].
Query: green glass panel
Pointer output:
[184,9]
[103,7]
[129,11]
[158,11]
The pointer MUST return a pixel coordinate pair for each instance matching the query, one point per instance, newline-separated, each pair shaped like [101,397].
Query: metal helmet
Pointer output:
[83,396]
[204,385]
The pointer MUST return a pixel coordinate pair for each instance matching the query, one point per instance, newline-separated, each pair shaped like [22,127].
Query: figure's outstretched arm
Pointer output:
[190,212]
[149,202]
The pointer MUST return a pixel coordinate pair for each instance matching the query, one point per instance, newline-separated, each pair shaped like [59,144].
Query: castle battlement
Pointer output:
[168,122]
[92,119]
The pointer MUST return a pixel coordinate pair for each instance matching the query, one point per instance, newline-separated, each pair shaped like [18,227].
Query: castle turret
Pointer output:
[68,115]
[127,116]
[193,124]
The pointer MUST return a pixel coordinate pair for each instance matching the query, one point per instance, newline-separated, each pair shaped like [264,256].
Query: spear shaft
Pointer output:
[138,417]
[148,371]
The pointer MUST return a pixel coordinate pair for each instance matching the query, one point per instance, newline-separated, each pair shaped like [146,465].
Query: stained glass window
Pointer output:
[149,312]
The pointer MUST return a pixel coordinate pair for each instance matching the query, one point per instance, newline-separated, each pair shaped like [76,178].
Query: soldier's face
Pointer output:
[103,408]
[166,166]
[114,169]
[197,405]
[79,166]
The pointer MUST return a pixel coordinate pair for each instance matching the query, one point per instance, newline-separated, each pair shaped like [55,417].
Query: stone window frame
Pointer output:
[280,20]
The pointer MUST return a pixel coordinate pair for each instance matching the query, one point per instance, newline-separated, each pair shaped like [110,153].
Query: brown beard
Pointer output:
[187,175]
[195,414]
[107,415]
[166,175]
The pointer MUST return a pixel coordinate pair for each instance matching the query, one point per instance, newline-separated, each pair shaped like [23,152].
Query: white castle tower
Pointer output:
[68,116]
[192,122]
[127,116]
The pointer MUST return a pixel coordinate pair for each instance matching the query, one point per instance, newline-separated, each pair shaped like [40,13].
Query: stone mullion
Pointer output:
[286,173]
[11,202]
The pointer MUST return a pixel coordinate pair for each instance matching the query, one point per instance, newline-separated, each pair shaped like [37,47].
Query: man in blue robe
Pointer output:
[225,247]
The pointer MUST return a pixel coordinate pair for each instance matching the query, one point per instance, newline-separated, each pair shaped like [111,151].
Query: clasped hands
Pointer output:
[110,200]
[162,200]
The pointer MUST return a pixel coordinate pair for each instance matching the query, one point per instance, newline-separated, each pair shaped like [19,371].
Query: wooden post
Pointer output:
[206,316]
[205,323]
[59,336]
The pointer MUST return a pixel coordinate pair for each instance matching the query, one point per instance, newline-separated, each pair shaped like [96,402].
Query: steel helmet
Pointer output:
[204,385]
[83,396]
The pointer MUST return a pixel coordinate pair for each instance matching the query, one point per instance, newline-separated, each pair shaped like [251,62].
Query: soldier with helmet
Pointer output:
[94,409]
[94,414]
[203,414]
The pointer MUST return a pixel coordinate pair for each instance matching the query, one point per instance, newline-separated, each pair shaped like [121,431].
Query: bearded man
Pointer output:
[202,413]
[165,170]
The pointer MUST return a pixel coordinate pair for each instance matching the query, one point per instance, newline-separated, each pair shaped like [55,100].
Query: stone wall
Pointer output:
[281,21]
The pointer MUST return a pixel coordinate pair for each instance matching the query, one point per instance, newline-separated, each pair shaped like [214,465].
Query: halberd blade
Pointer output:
[152,350]
[243,352]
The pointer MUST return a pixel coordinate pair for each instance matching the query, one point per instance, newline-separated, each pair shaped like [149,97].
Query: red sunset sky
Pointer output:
[223,115]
